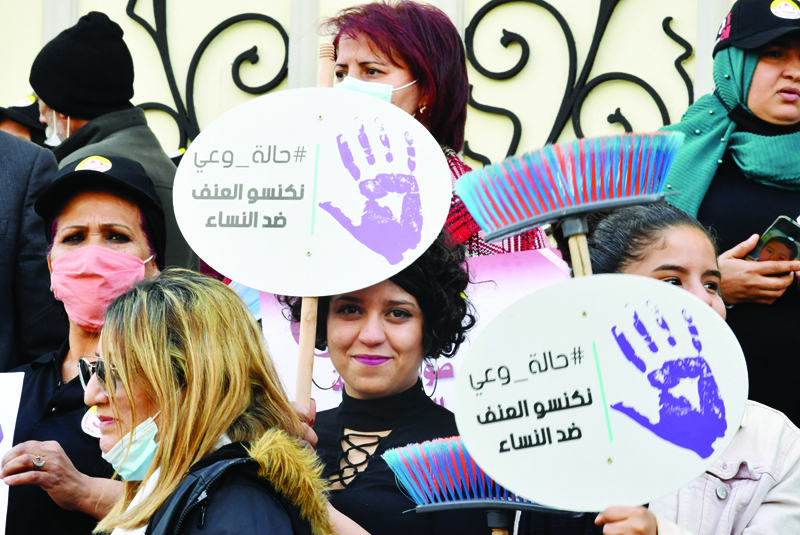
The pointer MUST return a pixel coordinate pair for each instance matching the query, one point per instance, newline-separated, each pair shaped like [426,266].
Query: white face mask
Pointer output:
[375,89]
[53,139]
[134,465]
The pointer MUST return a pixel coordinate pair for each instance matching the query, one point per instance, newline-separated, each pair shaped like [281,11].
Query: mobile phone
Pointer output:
[779,242]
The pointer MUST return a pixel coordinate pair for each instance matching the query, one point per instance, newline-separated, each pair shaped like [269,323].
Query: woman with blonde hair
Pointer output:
[194,418]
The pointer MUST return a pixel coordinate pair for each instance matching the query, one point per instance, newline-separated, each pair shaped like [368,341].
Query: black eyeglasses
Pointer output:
[86,369]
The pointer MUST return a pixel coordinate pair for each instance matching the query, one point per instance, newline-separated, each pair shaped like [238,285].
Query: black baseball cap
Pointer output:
[119,176]
[25,111]
[754,23]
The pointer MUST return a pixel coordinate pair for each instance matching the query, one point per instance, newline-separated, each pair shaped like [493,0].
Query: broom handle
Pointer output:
[583,248]
[575,256]
[308,307]
[579,253]
[305,360]
[325,65]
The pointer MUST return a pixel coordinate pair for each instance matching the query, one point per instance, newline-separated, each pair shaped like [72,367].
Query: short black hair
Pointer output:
[437,280]
[621,237]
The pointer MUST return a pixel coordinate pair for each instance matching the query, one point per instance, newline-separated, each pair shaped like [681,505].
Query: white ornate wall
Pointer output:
[633,43]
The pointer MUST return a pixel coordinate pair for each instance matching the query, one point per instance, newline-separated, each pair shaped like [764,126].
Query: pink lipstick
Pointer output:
[371,360]
[789,94]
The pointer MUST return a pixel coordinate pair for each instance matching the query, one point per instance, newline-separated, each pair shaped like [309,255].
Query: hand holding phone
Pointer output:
[753,282]
[779,242]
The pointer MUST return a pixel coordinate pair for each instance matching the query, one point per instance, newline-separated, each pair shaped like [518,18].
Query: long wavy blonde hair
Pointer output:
[192,346]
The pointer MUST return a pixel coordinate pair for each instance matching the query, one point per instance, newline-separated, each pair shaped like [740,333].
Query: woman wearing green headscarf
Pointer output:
[738,170]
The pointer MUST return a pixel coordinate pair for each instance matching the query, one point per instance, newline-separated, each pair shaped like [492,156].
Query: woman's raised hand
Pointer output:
[307,416]
[744,281]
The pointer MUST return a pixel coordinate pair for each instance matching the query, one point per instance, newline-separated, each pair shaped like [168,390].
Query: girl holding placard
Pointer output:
[377,338]
[754,487]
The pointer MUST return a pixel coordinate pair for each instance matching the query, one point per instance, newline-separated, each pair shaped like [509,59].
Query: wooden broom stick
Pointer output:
[575,229]
[575,256]
[308,307]
[579,254]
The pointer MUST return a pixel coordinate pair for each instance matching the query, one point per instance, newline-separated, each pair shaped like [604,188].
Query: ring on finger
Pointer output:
[38,461]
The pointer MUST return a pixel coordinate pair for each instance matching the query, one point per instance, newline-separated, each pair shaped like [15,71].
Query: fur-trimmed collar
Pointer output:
[295,472]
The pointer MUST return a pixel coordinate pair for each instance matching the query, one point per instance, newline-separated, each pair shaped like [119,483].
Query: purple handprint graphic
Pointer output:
[379,228]
[679,422]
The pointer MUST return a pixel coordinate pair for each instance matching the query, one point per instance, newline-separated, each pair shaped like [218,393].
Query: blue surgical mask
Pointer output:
[375,89]
[134,465]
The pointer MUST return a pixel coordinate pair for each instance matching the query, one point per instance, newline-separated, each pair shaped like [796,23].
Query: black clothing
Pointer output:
[32,322]
[224,494]
[544,524]
[736,208]
[51,410]
[372,498]
[125,133]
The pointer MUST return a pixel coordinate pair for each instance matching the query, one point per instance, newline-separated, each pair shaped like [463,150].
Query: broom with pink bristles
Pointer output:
[441,475]
[567,181]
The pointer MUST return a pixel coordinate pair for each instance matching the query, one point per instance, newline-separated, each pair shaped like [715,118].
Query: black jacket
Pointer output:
[224,494]
[32,322]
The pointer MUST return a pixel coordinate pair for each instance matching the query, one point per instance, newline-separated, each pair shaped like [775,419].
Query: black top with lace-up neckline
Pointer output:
[372,498]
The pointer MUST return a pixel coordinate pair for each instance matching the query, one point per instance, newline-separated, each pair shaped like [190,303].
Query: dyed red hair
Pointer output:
[425,38]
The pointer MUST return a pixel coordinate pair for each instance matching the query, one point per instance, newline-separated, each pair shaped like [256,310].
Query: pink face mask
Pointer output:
[87,279]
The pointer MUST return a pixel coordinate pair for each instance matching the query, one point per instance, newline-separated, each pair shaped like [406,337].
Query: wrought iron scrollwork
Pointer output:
[578,86]
[185,116]
[516,123]
[687,53]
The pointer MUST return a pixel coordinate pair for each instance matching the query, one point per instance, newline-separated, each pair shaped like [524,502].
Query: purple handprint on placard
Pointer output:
[679,422]
[379,229]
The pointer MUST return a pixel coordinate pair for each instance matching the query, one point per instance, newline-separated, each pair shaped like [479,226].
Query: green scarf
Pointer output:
[772,160]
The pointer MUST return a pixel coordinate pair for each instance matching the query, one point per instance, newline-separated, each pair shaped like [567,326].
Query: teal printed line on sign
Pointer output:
[602,391]
[314,194]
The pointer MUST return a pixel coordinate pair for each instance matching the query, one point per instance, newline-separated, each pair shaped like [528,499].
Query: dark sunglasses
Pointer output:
[98,367]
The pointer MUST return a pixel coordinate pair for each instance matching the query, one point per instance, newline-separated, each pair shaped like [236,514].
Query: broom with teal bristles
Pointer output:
[567,181]
[441,475]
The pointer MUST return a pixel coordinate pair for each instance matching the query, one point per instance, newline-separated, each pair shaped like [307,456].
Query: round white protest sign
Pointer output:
[312,192]
[599,391]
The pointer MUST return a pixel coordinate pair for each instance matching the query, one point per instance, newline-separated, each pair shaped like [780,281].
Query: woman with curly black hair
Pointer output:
[377,338]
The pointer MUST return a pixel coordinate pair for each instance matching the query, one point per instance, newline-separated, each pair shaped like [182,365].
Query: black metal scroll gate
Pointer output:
[184,114]
[578,86]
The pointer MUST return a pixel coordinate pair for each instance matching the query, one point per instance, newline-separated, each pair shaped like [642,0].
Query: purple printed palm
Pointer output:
[679,422]
[378,229]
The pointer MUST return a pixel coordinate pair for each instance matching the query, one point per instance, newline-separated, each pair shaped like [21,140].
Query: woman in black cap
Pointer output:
[105,226]
[737,171]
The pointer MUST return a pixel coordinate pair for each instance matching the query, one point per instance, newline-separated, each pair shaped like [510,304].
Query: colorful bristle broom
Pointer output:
[441,475]
[567,181]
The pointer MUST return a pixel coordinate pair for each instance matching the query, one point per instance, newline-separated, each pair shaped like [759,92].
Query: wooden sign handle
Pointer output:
[305,361]
[325,65]
[308,308]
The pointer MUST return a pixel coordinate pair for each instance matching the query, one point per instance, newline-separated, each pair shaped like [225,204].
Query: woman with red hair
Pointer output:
[411,55]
